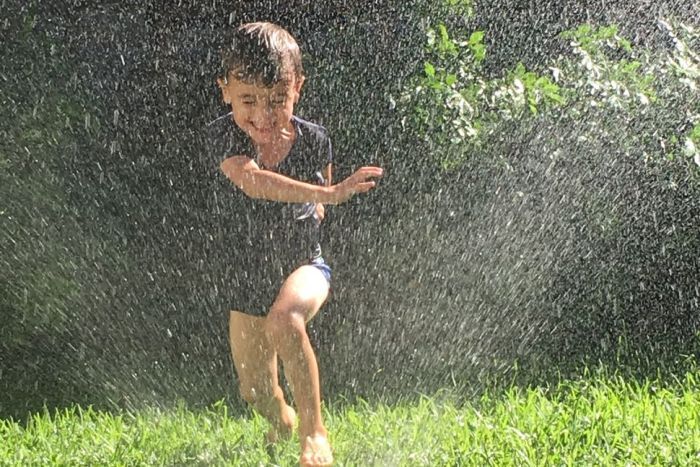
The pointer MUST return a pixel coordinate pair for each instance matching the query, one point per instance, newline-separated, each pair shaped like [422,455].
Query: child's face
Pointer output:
[263,113]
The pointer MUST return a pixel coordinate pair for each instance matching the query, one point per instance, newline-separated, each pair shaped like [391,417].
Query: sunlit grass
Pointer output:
[597,421]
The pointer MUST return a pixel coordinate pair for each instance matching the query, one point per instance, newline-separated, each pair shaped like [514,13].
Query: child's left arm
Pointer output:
[327,176]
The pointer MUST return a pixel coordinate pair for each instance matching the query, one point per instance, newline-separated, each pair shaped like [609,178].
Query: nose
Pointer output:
[262,114]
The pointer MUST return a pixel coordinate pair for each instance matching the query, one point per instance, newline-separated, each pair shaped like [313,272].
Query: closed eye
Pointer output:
[279,100]
[247,99]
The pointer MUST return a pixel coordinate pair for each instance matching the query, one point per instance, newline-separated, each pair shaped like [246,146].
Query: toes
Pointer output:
[316,453]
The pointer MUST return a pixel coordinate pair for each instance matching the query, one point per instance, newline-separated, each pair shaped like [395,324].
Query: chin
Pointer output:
[260,137]
[266,136]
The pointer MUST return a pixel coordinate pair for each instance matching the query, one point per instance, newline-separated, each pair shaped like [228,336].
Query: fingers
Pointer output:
[364,187]
[358,182]
[320,212]
[361,184]
[369,172]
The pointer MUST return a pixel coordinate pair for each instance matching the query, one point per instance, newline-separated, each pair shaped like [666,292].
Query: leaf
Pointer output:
[444,37]
[556,97]
[429,69]
[626,45]
[479,52]
[695,134]
[477,37]
[533,108]
[542,82]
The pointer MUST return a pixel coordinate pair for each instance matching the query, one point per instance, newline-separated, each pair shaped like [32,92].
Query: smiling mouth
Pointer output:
[263,129]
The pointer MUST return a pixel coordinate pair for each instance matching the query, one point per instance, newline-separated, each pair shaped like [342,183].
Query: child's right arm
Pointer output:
[265,184]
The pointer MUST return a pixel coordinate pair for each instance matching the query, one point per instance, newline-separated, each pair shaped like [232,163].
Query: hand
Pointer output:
[359,182]
[320,212]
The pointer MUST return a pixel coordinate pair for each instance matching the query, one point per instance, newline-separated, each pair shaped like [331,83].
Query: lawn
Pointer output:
[595,421]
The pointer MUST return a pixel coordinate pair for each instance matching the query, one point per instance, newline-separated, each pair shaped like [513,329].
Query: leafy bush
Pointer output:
[581,157]
[454,106]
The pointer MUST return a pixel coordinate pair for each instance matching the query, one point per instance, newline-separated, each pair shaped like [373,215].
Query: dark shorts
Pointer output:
[255,296]
[325,269]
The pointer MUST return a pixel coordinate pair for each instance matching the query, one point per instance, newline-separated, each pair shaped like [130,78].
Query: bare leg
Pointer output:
[298,301]
[256,366]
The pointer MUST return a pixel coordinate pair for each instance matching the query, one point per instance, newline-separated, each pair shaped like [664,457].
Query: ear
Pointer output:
[298,83]
[223,85]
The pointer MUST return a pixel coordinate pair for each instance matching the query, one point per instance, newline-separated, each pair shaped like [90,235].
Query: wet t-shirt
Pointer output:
[264,241]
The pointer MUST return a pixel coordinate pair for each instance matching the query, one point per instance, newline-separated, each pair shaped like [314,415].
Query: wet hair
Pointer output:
[261,53]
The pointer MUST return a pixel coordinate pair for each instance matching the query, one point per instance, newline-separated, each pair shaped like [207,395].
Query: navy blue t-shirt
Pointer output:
[268,239]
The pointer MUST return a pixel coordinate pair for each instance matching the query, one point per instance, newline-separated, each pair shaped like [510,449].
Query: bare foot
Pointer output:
[316,452]
[284,430]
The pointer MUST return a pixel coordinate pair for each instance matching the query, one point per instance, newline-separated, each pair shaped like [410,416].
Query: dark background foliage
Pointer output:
[113,282]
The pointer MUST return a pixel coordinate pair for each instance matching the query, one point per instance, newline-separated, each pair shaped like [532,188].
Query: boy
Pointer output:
[283,164]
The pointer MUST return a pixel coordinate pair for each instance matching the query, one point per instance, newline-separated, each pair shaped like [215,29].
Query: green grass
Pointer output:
[597,421]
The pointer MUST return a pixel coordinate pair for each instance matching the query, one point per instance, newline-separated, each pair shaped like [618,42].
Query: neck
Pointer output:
[273,152]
